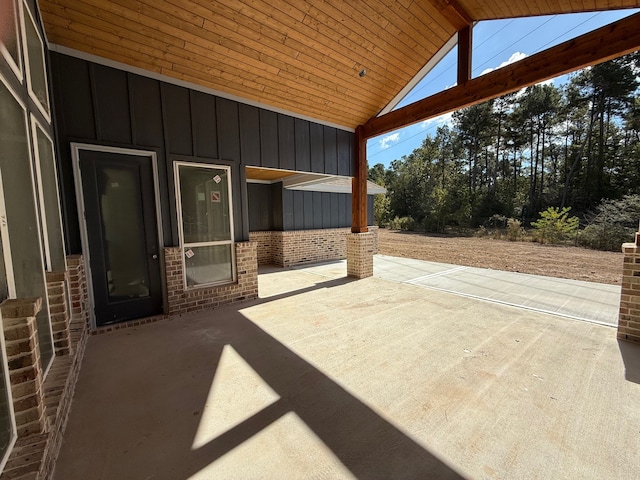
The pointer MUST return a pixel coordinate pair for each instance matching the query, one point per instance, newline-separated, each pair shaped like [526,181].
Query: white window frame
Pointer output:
[183,245]
[45,368]
[17,68]
[6,245]
[35,125]
[46,112]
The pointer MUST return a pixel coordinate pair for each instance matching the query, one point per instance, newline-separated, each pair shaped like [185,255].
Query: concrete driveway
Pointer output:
[588,301]
[325,377]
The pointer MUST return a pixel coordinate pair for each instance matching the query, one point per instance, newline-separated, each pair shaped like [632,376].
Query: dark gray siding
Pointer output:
[273,208]
[102,105]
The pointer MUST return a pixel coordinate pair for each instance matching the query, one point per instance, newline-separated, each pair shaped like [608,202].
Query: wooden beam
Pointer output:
[453,12]
[465,46]
[603,44]
[359,185]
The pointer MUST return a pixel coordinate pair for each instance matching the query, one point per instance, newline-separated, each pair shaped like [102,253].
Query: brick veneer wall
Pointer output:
[25,367]
[296,247]
[34,455]
[57,295]
[202,298]
[629,318]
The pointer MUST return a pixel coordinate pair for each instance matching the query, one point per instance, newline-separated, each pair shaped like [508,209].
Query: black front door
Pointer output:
[122,233]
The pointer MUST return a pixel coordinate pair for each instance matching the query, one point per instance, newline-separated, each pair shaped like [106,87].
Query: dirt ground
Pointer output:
[525,257]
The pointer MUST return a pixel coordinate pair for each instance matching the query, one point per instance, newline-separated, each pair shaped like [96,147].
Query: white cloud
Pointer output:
[515,57]
[385,142]
[441,120]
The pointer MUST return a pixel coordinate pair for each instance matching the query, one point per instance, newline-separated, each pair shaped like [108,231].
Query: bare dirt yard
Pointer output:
[526,257]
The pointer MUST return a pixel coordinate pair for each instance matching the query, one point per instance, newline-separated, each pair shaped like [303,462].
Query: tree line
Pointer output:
[515,156]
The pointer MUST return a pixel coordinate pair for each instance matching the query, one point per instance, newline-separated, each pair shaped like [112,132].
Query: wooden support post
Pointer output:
[359,185]
[465,44]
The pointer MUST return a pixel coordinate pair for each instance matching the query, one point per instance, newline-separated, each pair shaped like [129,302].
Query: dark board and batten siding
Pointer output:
[106,106]
[275,208]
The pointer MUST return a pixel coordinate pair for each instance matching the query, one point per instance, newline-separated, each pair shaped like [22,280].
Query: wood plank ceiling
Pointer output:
[303,57]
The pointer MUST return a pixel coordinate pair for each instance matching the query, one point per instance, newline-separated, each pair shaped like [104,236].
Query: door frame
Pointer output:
[76,148]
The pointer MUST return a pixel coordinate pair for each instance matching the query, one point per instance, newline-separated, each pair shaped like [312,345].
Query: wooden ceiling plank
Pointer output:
[299,39]
[289,80]
[598,46]
[87,15]
[194,32]
[357,35]
[324,78]
[302,62]
[101,39]
[424,29]
[100,48]
[432,18]
[385,21]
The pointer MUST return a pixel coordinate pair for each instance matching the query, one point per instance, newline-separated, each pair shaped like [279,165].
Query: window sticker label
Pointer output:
[189,253]
[217,179]
[215,197]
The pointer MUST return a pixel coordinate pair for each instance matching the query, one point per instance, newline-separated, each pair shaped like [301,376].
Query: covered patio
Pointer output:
[327,377]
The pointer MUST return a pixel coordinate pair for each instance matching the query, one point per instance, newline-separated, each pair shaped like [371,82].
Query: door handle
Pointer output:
[154,256]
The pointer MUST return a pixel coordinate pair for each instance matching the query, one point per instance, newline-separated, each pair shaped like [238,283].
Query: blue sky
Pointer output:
[495,43]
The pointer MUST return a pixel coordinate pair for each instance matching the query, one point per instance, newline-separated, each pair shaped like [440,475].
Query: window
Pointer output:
[49,203]
[35,64]
[10,39]
[205,223]
[21,213]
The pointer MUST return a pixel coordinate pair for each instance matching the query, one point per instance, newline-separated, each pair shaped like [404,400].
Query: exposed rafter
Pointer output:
[595,47]
[453,12]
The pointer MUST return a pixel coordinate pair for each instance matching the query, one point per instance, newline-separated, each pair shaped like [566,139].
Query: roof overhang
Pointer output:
[340,63]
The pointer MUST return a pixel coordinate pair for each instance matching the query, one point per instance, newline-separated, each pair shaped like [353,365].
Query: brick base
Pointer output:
[297,247]
[629,318]
[360,247]
[183,300]
[57,295]
[34,455]
[25,367]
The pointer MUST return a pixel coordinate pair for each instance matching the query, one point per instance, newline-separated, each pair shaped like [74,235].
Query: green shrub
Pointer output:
[555,225]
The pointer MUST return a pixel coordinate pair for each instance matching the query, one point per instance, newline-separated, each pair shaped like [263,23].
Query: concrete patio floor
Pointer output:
[325,377]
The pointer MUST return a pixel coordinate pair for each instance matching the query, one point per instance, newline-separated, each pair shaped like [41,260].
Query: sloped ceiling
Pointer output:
[302,57]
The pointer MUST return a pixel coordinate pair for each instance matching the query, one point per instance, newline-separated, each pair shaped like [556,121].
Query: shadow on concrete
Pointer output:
[630,353]
[142,392]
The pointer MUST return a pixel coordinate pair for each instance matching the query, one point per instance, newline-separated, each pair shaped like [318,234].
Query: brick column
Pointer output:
[629,318]
[360,255]
[25,367]
[57,293]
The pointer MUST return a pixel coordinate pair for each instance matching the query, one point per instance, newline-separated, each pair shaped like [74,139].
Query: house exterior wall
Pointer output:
[103,105]
[272,207]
